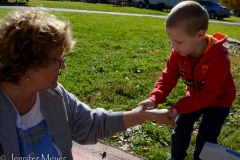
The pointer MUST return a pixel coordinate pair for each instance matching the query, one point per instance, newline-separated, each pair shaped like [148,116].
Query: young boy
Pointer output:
[202,63]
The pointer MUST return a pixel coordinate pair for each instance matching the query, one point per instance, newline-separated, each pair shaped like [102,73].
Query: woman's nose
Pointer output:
[63,66]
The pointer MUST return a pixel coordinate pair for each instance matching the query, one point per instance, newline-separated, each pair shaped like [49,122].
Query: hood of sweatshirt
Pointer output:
[214,42]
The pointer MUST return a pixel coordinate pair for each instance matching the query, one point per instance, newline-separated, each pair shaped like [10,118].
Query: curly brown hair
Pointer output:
[26,39]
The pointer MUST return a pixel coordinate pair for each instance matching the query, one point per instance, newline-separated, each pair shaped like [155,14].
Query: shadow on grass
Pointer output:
[13,4]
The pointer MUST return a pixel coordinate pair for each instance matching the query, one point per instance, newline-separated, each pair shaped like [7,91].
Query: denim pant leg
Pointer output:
[210,127]
[181,135]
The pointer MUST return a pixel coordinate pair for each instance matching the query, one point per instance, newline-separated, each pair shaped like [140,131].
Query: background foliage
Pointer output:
[233,4]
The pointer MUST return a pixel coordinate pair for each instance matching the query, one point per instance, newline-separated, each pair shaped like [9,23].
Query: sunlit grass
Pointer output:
[117,60]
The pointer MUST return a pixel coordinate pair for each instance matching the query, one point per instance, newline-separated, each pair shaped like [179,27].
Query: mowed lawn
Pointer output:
[114,65]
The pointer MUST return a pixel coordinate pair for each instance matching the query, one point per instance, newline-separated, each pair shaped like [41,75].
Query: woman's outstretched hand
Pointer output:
[161,116]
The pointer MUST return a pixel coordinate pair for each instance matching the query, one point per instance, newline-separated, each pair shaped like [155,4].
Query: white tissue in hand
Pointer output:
[139,108]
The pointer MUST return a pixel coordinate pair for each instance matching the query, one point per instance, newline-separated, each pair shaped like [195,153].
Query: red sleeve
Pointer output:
[219,69]
[167,81]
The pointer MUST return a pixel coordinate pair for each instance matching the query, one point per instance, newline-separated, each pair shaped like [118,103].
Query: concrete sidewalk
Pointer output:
[101,151]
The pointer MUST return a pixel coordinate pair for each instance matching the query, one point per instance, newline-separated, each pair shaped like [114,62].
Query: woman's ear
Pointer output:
[29,72]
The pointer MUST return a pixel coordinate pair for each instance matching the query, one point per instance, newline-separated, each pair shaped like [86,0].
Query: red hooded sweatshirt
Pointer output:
[209,84]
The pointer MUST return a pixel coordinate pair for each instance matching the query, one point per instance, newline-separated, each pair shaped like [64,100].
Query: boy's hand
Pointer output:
[147,103]
[174,113]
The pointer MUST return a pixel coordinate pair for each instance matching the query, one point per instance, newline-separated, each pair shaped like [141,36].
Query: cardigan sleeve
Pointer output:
[87,125]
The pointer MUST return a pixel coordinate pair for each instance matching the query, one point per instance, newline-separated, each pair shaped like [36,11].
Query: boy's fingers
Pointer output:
[141,103]
[167,120]
[171,123]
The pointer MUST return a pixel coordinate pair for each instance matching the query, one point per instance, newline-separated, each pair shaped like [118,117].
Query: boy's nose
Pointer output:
[174,46]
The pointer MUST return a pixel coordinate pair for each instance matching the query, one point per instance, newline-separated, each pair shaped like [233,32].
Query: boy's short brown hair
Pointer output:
[189,16]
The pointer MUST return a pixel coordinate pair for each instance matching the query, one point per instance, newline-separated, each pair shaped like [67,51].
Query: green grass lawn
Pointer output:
[101,71]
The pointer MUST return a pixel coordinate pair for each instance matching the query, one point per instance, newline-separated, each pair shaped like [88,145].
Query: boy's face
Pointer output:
[185,44]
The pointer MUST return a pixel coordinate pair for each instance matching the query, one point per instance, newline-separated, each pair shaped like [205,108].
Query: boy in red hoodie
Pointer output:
[201,61]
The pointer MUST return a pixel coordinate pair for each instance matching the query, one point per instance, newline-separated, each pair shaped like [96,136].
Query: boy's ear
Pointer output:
[201,34]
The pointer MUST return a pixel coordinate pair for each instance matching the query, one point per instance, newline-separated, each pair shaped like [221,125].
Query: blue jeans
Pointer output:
[209,129]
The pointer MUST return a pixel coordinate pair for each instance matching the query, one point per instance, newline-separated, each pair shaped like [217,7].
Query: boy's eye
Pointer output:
[179,42]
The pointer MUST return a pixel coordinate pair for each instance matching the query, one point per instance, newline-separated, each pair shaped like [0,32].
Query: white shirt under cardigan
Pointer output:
[34,137]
